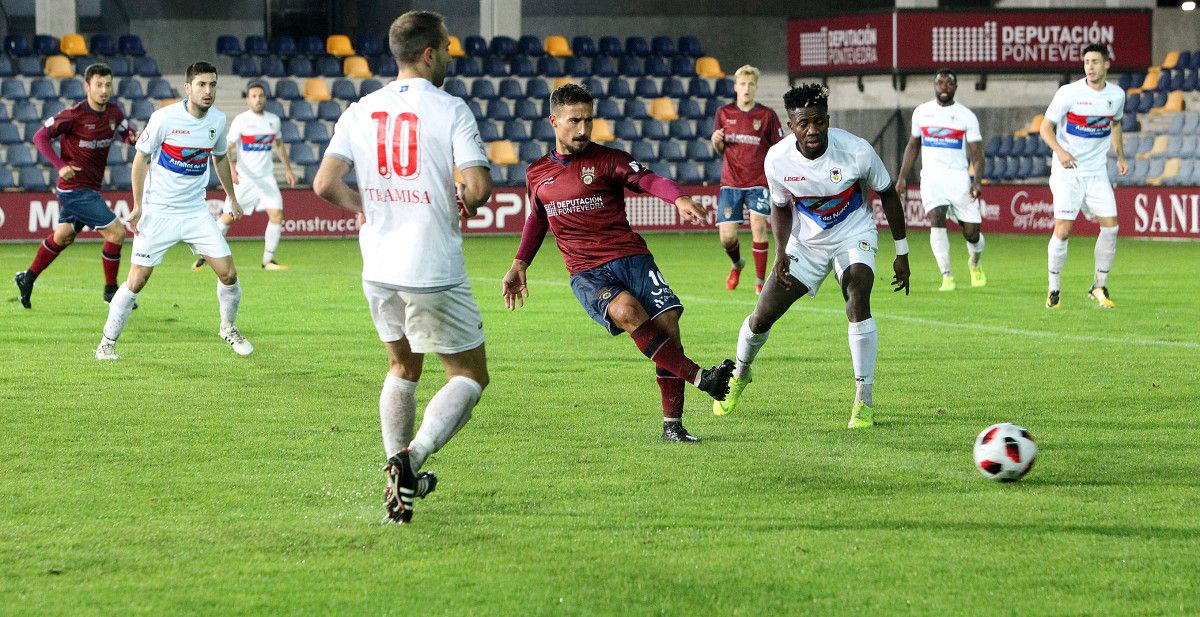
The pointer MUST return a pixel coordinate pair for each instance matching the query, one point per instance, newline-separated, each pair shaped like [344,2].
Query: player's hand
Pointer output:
[783,271]
[718,137]
[460,202]
[132,138]
[1122,167]
[1068,161]
[690,210]
[290,177]
[900,281]
[68,172]
[515,290]
[233,174]
[976,190]
[360,218]
[134,216]
[902,191]
[235,209]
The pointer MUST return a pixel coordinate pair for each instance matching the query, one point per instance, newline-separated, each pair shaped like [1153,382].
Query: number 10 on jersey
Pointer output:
[404,139]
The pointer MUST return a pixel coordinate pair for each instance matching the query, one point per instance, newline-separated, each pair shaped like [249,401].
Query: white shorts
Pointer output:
[255,195]
[439,322]
[952,191]
[158,232]
[810,265]
[1092,194]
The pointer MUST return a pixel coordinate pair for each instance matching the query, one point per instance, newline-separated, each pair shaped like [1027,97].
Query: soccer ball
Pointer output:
[1005,452]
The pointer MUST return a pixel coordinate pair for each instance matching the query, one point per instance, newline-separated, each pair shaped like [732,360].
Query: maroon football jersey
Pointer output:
[583,198]
[748,136]
[86,135]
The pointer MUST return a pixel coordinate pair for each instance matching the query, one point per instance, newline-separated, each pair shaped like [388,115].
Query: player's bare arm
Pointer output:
[1118,145]
[514,286]
[894,212]
[911,151]
[140,169]
[224,174]
[979,165]
[690,210]
[232,154]
[781,228]
[718,140]
[281,148]
[329,185]
[476,189]
[1048,136]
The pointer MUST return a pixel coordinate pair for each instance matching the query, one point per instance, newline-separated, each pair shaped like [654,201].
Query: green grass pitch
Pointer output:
[187,480]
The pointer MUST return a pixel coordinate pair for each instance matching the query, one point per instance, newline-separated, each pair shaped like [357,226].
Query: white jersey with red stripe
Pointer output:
[826,193]
[180,148]
[944,133]
[1084,120]
[404,141]
[254,137]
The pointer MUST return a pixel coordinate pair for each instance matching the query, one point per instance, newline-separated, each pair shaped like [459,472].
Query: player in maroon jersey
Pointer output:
[86,131]
[743,131]
[578,192]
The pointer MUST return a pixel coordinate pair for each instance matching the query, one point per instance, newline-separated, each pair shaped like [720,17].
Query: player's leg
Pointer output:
[729,219]
[939,241]
[1068,200]
[973,235]
[200,231]
[760,214]
[1103,205]
[224,222]
[965,210]
[857,280]
[671,386]
[122,303]
[271,239]
[54,244]
[110,256]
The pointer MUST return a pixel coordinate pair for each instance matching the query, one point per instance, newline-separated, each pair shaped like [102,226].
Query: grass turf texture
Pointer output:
[184,479]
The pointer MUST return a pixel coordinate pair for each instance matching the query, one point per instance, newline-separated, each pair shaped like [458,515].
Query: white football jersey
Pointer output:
[1083,120]
[180,148]
[944,133]
[826,193]
[404,141]
[254,136]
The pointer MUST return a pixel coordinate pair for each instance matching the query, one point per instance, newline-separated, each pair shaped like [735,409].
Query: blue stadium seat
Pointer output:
[515,131]
[578,67]
[682,66]
[275,107]
[17,45]
[455,87]
[302,154]
[992,147]
[51,108]
[300,66]
[272,66]
[690,46]
[643,151]
[618,88]
[1006,146]
[637,46]
[42,89]
[635,109]
[120,67]
[368,45]
[476,111]
[603,66]
[29,66]
[102,45]
[4,117]
[9,133]
[388,69]
[488,131]
[688,173]
[542,131]
[516,174]
[328,66]
[120,177]
[609,109]
[301,111]
[483,90]
[32,179]
[45,45]
[287,90]
[583,46]
[627,129]
[510,89]
[682,129]
[690,109]
[1125,81]
[662,168]
[548,66]
[316,132]
[1129,123]
[284,46]
[141,109]
[700,150]
[630,66]
[712,171]
[311,45]
[81,63]
[289,132]
[25,111]
[673,88]
[343,90]
[657,67]
[498,175]
[531,46]
[19,155]
[244,66]
[474,45]
[724,88]
[13,90]
[131,45]
[609,46]
[368,86]
[464,67]
[6,67]
[522,66]
[646,88]
[329,110]
[7,181]
[256,45]
[495,66]
[499,110]
[158,88]
[146,67]
[663,46]
[653,129]
[530,151]
[503,46]
[1189,82]
[227,45]
[595,86]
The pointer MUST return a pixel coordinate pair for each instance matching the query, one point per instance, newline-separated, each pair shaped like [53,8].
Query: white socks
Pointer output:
[747,348]
[941,248]
[397,411]
[446,413]
[1106,250]
[118,311]
[975,251]
[864,347]
[271,241]
[228,297]
[1057,251]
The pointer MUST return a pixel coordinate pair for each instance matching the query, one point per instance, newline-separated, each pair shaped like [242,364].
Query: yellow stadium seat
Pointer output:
[1035,125]
[456,49]
[709,67]
[315,89]
[167,102]
[1151,82]
[1133,91]
[663,109]
[356,66]
[73,45]
[602,131]
[1171,60]
[1174,103]
[339,45]
[560,82]
[503,152]
[1021,133]
[556,45]
[1170,170]
[1160,146]
[59,66]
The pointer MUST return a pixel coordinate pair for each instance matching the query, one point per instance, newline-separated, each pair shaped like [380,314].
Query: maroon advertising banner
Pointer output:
[828,46]
[1146,212]
[1019,41]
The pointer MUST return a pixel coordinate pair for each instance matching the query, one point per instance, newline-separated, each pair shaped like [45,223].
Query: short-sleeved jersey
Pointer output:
[84,138]
[404,141]
[180,147]
[583,196]
[748,136]
[1084,120]
[827,194]
[254,137]
[944,133]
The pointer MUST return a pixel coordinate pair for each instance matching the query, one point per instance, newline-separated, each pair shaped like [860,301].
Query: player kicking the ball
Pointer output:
[578,192]
[822,222]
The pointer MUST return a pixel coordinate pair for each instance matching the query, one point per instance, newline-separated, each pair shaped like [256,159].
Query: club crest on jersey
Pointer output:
[605,293]
[863,246]
[757,124]
[112,126]
[212,133]
[587,174]
[835,174]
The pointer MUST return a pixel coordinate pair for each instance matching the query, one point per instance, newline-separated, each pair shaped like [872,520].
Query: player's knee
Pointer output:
[229,277]
[64,240]
[729,243]
[116,234]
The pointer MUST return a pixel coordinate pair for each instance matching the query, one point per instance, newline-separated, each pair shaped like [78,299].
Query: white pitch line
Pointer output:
[1082,338]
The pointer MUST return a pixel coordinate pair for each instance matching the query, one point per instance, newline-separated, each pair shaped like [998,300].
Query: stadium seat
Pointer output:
[328,66]
[456,48]
[635,109]
[671,150]
[51,108]
[499,110]
[690,46]
[120,177]
[302,154]
[663,169]
[712,171]
[488,131]
[272,66]
[329,111]
[7,181]
[26,112]
[315,89]
[356,67]
[542,131]
[146,67]
[9,134]
[483,89]
[59,66]
[699,88]
[275,107]
[301,111]
[368,86]
[577,67]
[227,45]
[300,66]
[602,131]
[1190,81]
[464,67]
[637,46]
[387,68]
[368,45]
[618,88]
[32,179]
[141,109]
[476,110]
[42,89]
[627,130]
[700,150]
[339,45]
[287,90]
[682,66]
[522,66]
[688,173]
[1173,103]
[6,67]
[1129,123]
[709,67]
[724,89]
[19,155]
[45,45]
[158,88]
[603,66]
[548,66]
[310,45]
[682,129]
[244,66]
[657,67]
[609,109]
[663,46]
[102,45]
[455,87]
[29,66]
[256,45]
[1151,80]
[516,174]
[672,87]
[630,66]
[17,45]
[289,132]
[475,46]
[73,45]
[646,88]
[556,45]
[663,109]
[13,90]
[4,117]
[1171,60]
[530,151]
[503,46]
[515,131]
[316,132]
[609,46]
[595,87]
[1169,172]
[498,173]
[690,109]
[1158,147]
[653,129]
[510,89]
[530,46]
[643,151]
[503,153]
